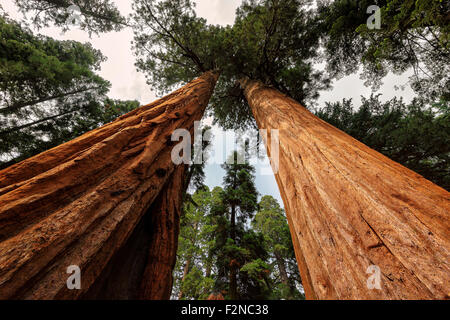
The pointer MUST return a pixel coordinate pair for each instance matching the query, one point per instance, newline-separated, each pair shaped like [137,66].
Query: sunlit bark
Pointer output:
[349,207]
[77,204]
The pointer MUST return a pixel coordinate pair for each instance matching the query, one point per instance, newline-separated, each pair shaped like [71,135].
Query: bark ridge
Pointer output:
[78,204]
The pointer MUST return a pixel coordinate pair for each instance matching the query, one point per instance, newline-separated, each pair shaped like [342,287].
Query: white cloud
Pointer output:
[218,11]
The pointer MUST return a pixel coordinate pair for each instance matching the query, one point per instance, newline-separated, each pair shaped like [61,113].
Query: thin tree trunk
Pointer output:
[350,208]
[187,266]
[185,273]
[233,271]
[283,273]
[30,124]
[20,105]
[77,204]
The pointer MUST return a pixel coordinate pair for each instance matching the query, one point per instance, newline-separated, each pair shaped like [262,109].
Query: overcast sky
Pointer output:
[128,84]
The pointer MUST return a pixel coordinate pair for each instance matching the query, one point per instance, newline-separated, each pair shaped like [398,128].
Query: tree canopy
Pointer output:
[50,92]
[37,69]
[271,40]
[95,16]
[282,43]
[413,35]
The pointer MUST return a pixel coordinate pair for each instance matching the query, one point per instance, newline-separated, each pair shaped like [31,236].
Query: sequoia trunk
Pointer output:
[353,212]
[165,227]
[77,204]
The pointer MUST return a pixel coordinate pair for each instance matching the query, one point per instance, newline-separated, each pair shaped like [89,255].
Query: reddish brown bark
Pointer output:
[218,296]
[349,207]
[142,268]
[77,204]
[157,279]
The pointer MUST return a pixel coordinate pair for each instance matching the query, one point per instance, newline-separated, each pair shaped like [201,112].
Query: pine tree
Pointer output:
[412,35]
[95,16]
[240,196]
[271,222]
[50,92]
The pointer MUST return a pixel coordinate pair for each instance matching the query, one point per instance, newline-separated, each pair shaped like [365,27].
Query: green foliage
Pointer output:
[49,92]
[194,244]
[414,34]
[196,286]
[415,135]
[98,16]
[235,244]
[271,222]
[195,175]
[36,69]
[22,142]
[239,187]
[214,242]
[256,269]
[171,42]
[271,40]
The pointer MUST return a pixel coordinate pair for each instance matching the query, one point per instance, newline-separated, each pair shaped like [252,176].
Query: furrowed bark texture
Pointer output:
[142,268]
[77,204]
[157,278]
[349,207]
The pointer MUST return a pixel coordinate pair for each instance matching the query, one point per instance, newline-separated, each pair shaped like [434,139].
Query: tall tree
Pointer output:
[305,184]
[113,176]
[36,69]
[241,197]
[270,220]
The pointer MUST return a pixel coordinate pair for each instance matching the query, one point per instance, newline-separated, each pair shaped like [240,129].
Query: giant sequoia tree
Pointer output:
[89,202]
[348,206]
[97,201]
